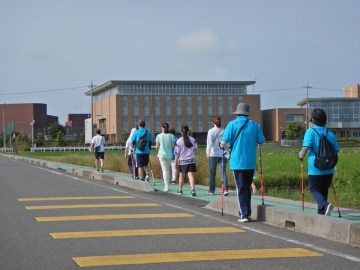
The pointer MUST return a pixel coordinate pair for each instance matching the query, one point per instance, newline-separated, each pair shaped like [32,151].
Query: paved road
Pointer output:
[51,220]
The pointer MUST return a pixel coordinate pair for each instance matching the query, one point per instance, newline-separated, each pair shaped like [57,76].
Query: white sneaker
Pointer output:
[329,209]
[166,189]
[243,220]
[147,178]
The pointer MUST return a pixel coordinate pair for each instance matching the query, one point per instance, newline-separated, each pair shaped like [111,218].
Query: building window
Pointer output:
[167,105]
[135,105]
[135,119]
[157,124]
[199,123]
[293,118]
[178,105]
[124,105]
[189,121]
[210,123]
[168,119]
[157,105]
[188,105]
[146,105]
[178,123]
[124,124]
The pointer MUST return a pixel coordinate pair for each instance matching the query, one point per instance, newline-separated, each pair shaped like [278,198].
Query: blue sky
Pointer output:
[284,44]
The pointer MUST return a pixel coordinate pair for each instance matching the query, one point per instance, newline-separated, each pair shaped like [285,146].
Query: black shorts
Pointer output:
[99,155]
[142,160]
[187,168]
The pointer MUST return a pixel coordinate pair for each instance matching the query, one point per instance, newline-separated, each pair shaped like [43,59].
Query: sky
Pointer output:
[51,51]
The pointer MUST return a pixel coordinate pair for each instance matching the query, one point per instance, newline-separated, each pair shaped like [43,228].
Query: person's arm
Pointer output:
[157,145]
[91,147]
[303,152]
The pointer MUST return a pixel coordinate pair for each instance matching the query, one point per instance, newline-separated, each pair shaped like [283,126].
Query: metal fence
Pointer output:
[72,148]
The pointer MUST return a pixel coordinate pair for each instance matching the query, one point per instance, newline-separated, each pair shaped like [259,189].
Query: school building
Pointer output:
[116,106]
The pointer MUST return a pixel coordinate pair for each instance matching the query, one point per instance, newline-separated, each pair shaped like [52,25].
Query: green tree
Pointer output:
[125,135]
[60,138]
[82,138]
[54,128]
[294,131]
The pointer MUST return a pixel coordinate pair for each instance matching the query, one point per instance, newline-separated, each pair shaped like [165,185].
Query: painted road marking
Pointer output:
[145,232]
[44,207]
[194,256]
[74,198]
[123,216]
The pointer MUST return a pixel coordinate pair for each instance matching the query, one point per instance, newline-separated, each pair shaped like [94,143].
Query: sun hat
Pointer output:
[243,109]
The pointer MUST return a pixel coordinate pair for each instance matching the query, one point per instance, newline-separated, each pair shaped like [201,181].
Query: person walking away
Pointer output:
[173,165]
[139,137]
[130,156]
[185,159]
[319,180]
[215,155]
[242,134]
[98,145]
[165,144]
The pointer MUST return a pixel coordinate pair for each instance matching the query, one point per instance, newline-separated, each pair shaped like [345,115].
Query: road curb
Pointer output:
[331,228]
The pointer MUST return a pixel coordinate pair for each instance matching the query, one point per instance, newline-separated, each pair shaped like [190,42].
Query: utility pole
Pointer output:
[32,131]
[4,135]
[92,113]
[307,104]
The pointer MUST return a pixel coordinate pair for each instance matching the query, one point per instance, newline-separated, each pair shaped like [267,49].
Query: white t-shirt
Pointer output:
[98,140]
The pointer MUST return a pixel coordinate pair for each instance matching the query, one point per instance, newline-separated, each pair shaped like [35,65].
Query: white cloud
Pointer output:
[204,41]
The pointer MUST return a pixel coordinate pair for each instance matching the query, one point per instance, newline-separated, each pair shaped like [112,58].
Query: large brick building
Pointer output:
[22,114]
[118,105]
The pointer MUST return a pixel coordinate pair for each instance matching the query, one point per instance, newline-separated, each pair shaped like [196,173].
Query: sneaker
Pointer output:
[243,220]
[179,192]
[142,179]
[136,178]
[253,188]
[97,170]
[210,192]
[249,217]
[173,182]
[166,189]
[147,177]
[193,192]
[102,170]
[329,209]
[226,192]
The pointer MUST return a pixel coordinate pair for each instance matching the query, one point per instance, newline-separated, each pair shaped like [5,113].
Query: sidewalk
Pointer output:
[275,211]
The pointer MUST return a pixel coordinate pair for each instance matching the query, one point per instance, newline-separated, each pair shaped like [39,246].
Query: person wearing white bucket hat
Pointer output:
[242,135]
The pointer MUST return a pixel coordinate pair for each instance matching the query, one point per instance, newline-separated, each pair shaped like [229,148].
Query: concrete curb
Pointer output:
[102,177]
[339,230]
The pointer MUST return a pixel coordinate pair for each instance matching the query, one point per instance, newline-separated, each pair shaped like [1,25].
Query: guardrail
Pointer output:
[69,148]
[7,149]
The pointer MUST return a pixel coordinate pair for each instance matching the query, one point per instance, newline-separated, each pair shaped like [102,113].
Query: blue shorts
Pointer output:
[142,160]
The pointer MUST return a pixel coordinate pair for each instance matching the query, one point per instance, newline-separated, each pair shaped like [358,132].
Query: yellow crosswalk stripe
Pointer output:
[44,207]
[145,232]
[194,256]
[74,198]
[122,216]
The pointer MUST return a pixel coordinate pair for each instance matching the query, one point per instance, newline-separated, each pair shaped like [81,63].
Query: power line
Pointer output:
[275,90]
[44,91]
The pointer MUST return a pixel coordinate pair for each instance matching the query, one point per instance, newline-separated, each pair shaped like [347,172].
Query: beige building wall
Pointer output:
[352,91]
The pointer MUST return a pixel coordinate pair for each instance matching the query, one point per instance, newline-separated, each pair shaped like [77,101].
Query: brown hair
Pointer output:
[172,130]
[216,121]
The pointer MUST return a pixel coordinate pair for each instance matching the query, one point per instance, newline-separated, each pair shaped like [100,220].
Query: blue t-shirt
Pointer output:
[137,134]
[243,150]
[173,154]
[311,140]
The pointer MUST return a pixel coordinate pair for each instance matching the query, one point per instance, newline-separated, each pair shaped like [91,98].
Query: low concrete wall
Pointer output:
[340,230]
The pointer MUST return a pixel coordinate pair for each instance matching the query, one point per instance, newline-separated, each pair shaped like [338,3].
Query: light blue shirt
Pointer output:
[243,150]
[137,134]
[165,141]
[311,140]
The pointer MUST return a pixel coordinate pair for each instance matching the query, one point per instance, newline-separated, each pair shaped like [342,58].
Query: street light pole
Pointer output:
[307,104]
[32,131]
[4,135]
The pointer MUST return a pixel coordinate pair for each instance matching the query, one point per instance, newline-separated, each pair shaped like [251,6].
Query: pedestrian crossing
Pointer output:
[160,230]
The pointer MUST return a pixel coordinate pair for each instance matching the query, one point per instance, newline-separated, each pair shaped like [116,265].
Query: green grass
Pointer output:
[280,166]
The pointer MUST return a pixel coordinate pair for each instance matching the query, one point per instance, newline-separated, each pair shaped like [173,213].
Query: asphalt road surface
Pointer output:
[53,220]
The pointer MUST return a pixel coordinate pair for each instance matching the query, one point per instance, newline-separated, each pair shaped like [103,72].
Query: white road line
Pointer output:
[324,250]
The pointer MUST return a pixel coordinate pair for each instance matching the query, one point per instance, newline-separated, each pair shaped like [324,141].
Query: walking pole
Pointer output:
[152,174]
[222,184]
[336,200]
[261,177]
[302,183]
[132,164]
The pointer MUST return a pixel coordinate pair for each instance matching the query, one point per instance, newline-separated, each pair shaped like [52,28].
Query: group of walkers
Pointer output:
[239,139]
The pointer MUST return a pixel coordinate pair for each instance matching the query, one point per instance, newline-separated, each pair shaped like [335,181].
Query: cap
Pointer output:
[141,123]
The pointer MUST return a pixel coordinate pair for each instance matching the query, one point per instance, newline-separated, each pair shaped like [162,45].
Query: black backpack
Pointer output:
[141,144]
[326,157]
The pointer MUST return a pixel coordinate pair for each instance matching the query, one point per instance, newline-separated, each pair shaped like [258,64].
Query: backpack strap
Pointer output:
[319,136]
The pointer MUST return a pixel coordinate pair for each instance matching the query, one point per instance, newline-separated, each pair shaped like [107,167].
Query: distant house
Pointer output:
[75,124]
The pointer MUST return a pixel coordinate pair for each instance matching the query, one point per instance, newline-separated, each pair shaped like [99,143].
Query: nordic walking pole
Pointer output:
[261,176]
[152,174]
[222,184]
[336,200]
[302,183]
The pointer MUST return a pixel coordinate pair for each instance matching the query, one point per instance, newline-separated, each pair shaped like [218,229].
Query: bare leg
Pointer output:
[141,172]
[191,180]
[181,181]
[96,163]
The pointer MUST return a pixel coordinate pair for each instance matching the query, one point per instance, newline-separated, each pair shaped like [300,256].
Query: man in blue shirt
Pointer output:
[319,180]
[243,155]
[142,157]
